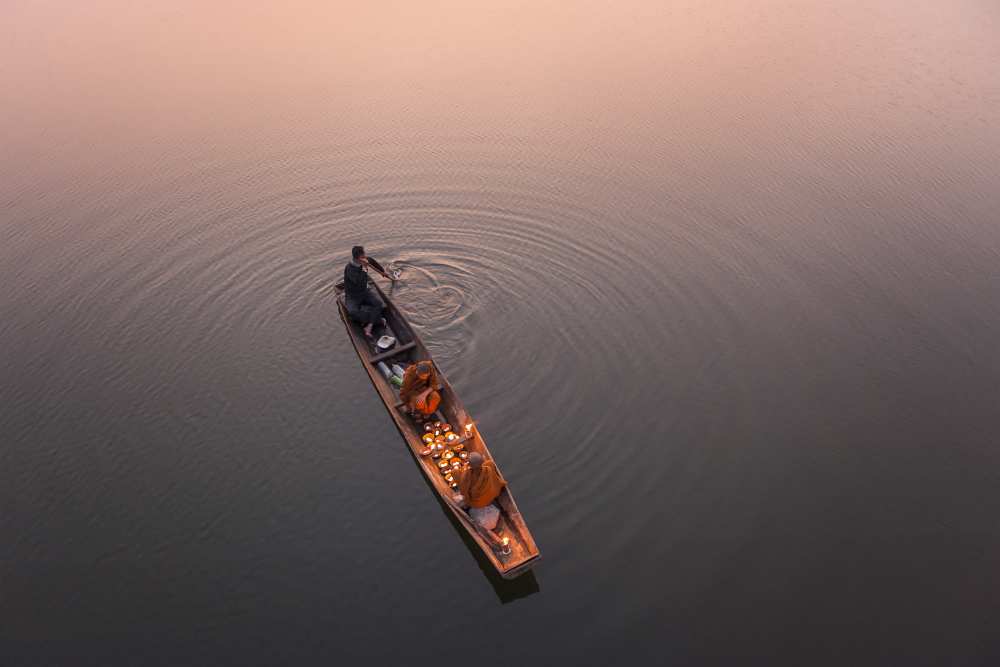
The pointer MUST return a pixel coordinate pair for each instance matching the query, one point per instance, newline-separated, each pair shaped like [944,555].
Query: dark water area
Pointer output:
[718,281]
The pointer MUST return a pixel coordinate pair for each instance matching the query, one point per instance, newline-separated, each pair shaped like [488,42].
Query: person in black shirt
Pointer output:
[363,304]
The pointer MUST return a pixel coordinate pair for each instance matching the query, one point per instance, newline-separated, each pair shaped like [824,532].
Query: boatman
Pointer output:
[363,305]
[480,484]
[420,390]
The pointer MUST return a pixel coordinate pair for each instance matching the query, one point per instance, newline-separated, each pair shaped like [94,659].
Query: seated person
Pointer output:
[363,304]
[420,388]
[480,484]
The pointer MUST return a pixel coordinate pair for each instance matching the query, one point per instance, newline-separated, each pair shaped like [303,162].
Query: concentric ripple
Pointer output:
[552,313]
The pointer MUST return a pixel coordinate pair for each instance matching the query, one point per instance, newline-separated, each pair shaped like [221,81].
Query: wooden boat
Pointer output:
[408,349]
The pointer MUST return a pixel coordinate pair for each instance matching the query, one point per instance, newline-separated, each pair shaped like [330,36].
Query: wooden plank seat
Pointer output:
[390,353]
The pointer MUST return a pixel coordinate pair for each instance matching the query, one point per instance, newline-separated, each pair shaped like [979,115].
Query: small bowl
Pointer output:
[456,463]
[425,452]
[445,428]
[442,464]
[447,454]
[458,447]
[428,427]
[449,478]
[428,438]
[437,424]
[463,455]
[454,485]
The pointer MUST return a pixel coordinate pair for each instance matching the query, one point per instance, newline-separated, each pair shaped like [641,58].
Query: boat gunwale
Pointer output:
[508,570]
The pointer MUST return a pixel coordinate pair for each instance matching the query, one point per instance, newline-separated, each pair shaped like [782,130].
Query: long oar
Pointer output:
[372,262]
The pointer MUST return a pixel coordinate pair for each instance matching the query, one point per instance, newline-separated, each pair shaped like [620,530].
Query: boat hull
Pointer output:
[408,349]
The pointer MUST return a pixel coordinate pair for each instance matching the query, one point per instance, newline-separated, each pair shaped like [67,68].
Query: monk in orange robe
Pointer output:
[420,389]
[480,484]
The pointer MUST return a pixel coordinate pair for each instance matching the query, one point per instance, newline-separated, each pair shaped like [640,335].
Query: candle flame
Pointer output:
[506,541]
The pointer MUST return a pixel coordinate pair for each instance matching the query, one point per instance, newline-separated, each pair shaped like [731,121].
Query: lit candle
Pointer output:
[468,430]
[506,546]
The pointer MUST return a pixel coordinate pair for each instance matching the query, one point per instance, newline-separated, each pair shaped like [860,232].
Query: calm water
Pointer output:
[718,280]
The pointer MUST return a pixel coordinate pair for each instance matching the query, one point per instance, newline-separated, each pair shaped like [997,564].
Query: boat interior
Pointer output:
[406,350]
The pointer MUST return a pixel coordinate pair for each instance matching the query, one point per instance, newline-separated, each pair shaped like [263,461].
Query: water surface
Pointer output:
[717,280]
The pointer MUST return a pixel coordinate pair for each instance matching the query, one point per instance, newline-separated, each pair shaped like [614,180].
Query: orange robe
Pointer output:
[481,486]
[413,386]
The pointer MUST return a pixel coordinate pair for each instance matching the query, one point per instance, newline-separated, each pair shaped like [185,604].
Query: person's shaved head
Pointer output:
[475,459]
[423,368]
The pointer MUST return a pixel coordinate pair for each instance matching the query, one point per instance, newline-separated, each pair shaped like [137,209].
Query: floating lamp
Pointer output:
[442,464]
[506,546]
[427,437]
[425,452]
